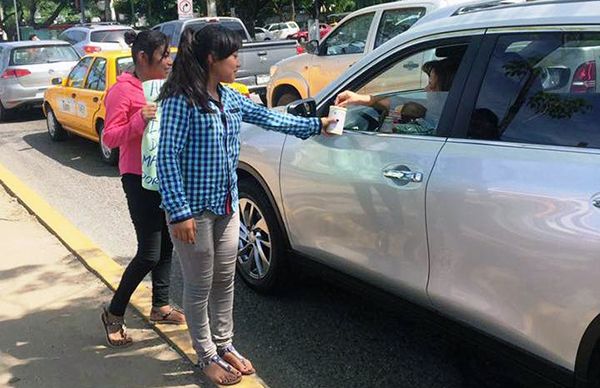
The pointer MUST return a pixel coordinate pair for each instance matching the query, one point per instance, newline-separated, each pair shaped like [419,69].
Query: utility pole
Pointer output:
[211,8]
[17,20]
[82,6]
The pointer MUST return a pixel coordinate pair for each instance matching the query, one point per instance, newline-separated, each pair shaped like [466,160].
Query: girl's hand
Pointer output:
[351,98]
[149,112]
[326,121]
[185,231]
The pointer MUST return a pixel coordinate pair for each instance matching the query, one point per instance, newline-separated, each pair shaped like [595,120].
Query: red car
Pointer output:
[302,35]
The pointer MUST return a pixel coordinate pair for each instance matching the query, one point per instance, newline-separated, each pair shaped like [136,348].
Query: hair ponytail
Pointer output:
[189,75]
[146,42]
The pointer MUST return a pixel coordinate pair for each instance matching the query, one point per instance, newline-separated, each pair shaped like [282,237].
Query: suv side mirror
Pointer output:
[304,108]
[56,81]
[312,47]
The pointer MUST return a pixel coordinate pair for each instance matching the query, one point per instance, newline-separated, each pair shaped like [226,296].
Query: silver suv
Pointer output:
[471,188]
[94,37]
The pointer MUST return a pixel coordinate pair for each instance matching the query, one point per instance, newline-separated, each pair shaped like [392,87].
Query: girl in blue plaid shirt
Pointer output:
[197,158]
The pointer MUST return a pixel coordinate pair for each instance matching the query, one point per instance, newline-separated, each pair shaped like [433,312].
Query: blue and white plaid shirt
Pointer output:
[198,151]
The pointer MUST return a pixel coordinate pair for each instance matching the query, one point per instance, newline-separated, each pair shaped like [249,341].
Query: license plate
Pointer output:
[263,79]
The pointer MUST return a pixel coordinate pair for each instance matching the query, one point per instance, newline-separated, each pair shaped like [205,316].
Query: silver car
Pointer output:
[474,193]
[95,37]
[27,68]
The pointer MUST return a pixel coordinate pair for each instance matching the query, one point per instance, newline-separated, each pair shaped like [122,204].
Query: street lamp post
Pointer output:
[17,20]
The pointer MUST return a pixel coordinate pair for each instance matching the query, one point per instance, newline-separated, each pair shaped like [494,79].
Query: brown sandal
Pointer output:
[230,349]
[216,359]
[173,317]
[115,327]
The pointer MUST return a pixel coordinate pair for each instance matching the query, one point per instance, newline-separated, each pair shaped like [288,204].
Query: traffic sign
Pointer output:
[185,9]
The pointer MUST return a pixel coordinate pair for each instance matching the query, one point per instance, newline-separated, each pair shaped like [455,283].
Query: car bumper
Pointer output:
[13,96]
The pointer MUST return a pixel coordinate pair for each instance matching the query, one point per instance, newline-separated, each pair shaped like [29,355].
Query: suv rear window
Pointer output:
[232,25]
[114,36]
[35,55]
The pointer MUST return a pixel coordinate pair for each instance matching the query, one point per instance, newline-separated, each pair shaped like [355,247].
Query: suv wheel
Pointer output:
[55,130]
[109,155]
[261,259]
[287,97]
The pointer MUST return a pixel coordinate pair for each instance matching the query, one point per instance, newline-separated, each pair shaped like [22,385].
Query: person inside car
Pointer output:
[411,117]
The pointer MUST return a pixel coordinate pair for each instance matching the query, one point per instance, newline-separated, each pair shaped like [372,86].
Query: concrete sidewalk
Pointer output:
[50,329]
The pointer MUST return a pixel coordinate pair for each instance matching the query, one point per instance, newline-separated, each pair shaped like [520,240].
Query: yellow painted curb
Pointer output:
[103,266]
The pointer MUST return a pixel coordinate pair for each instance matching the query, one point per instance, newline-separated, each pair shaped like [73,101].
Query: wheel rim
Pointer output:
[51,123]
[106,151]
[254,251]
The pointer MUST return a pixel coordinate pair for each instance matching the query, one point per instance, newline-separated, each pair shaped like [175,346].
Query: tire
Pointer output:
[5,114]
[287,97]
[260,232]
[108,155]
[55,130]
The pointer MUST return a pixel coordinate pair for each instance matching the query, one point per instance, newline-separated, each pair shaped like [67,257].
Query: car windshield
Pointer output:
[35,55]
[115,36]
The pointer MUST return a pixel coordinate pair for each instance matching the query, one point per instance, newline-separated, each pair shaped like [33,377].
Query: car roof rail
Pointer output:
[495,4]
[93,24]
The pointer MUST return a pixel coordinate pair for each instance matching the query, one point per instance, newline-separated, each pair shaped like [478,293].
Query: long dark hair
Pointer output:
[189,76]
[147,42]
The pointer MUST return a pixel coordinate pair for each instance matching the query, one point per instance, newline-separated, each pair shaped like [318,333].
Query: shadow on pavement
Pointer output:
[63,345]
[23,115]
[316,334]
[77,153]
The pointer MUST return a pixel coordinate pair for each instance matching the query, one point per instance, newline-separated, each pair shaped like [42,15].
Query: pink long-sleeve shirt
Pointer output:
[125,125]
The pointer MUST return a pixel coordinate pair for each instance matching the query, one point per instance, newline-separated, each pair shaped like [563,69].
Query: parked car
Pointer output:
[261,35]
[255,57]
[75,104]
[484,208]
[26,69]
[283,30]
[356,35]
[302,35]
[95,37]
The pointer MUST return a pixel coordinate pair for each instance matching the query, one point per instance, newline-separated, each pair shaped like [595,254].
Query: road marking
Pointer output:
[103,266]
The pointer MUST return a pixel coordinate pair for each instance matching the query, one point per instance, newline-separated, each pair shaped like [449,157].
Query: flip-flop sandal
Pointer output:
[216,359]
[166,319]
[117,327]
[230,349]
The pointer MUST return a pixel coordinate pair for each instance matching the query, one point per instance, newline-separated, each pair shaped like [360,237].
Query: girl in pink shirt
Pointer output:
[127,114]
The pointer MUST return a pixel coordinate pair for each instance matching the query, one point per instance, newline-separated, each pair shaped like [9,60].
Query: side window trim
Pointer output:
[87,77]
[88,59]
[445,125]
[369,39]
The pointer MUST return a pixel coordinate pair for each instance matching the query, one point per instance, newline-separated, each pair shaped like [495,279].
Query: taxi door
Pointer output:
[65,107]
[90,99]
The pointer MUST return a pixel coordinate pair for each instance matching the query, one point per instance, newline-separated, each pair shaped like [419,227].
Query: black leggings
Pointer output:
[154,247]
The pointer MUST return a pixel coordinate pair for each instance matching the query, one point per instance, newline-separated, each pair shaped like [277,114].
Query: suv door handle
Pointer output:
[261,53]
[405,176]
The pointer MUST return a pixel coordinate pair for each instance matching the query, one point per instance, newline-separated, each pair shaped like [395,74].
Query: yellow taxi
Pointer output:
[75,104]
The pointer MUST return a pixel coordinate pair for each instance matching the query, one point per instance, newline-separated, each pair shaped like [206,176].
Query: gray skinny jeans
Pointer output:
[208,269]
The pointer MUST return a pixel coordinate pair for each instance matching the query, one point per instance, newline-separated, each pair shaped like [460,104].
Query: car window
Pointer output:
[112,36]
[74,36]
[124,65]
[78,73]
[411,93]
[349,38]
[235,27]
[67,37]
[35,55]
[96,79]
[169,31]
[541,89]
[396,21]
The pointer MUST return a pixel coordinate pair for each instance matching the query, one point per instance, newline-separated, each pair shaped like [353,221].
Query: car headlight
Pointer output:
[272,70]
